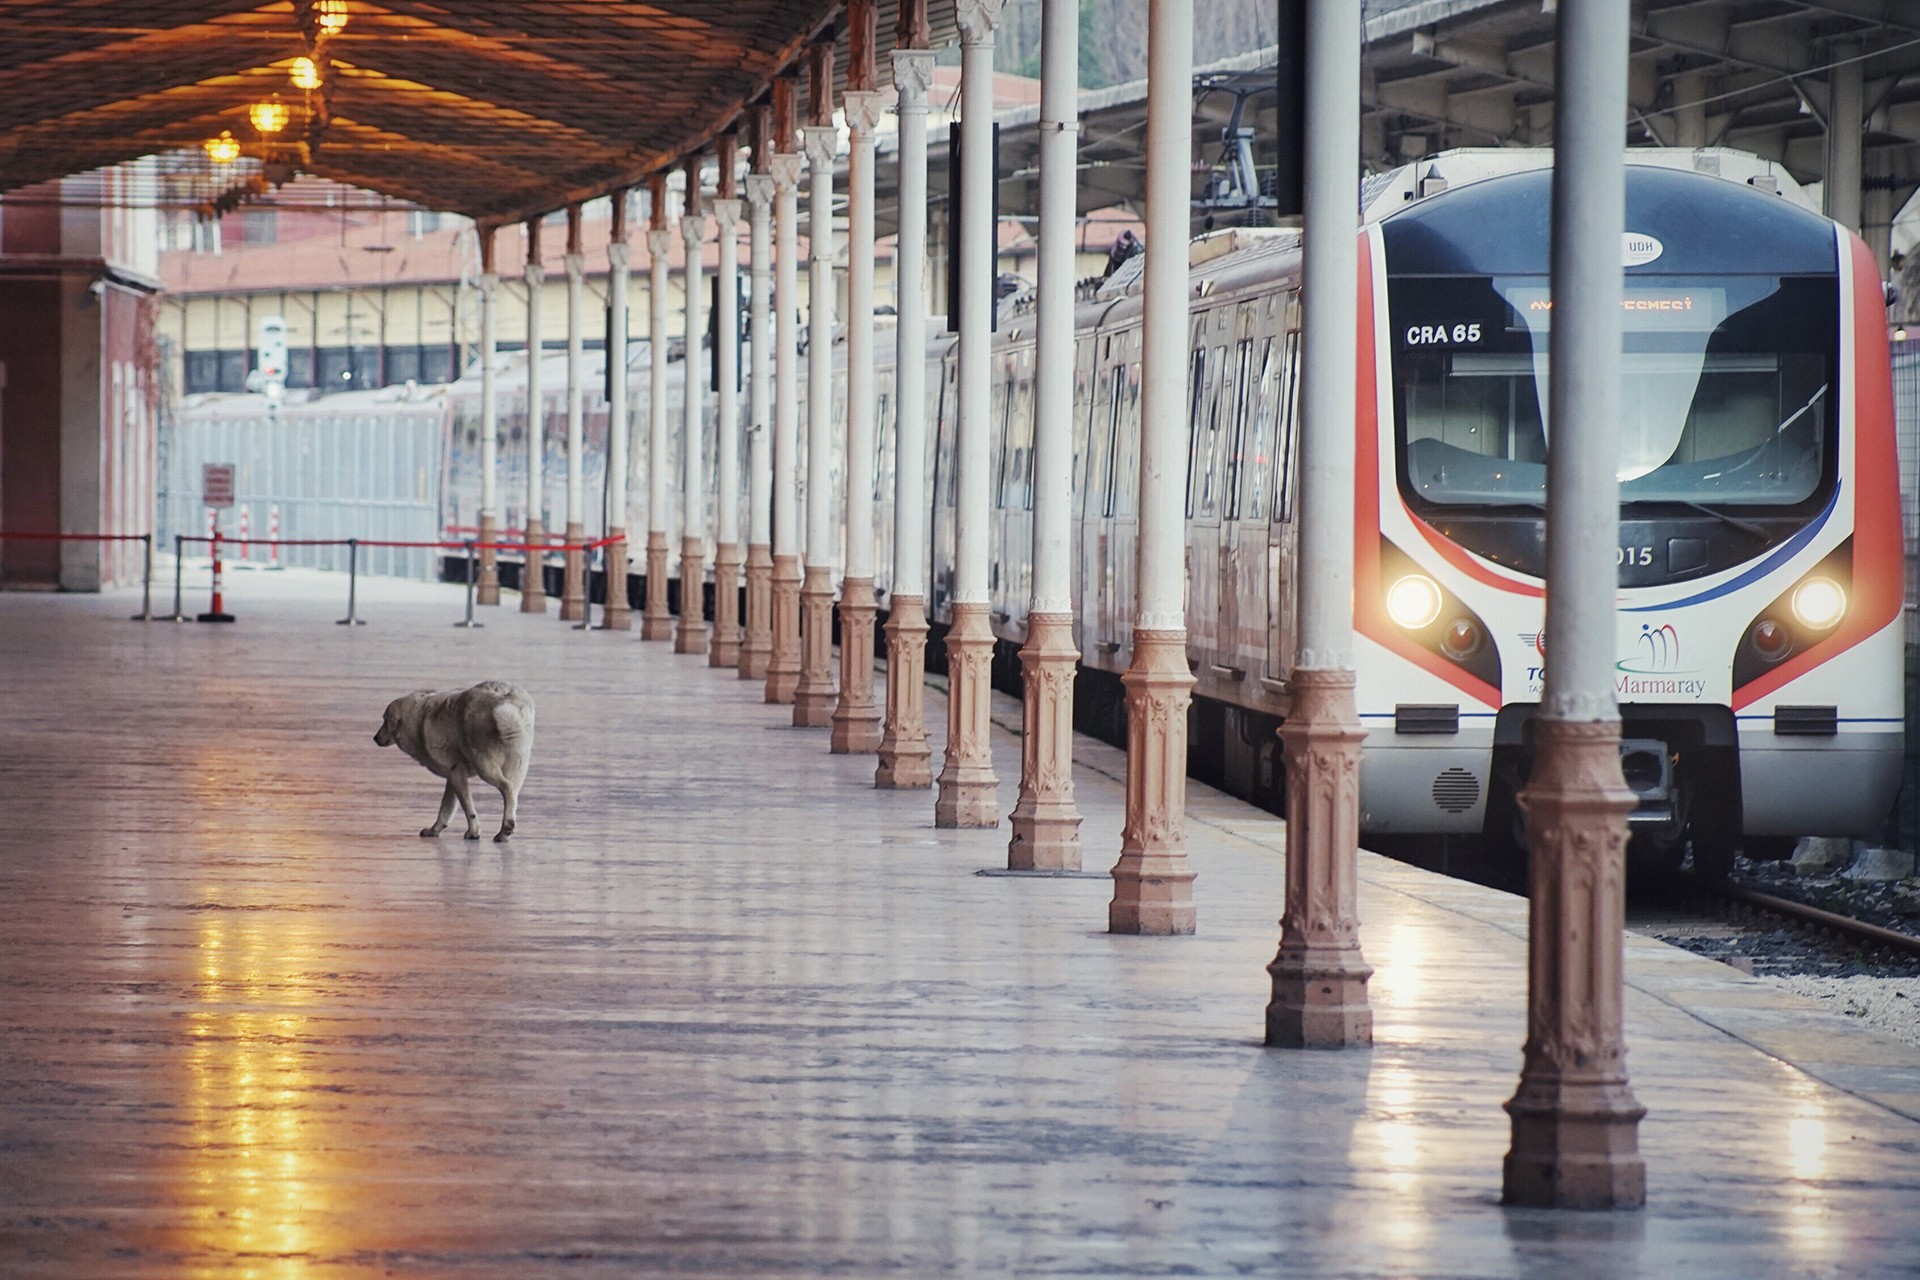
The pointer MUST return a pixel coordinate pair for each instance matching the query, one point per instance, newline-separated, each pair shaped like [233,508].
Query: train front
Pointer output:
[1759,665]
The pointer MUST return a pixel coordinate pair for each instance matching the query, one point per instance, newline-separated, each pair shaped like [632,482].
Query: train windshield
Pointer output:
[1726,398]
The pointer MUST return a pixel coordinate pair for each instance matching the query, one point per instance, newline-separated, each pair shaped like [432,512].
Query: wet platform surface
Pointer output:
[721,1009]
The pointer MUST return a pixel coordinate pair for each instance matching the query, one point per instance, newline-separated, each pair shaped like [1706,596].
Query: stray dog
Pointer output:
[485,732]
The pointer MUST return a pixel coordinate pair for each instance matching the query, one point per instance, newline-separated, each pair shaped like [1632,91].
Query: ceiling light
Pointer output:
[331,15]
[223,149]
[305,74]
[268,117]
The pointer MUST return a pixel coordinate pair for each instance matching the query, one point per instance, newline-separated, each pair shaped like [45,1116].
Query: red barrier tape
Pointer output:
[78,537]
[437,546]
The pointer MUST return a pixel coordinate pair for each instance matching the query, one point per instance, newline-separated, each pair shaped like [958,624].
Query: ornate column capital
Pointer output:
[823,143]
[913,77]
[536,274]
[977,19]
[693,229]
[863,109]
[576,266]
[760,192]
[619,255]
[726,214]
[489,284]
[659,242]
[786,170]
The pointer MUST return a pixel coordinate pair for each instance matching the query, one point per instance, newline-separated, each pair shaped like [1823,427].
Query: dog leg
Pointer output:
[446,811]
[510,798]
[458,783]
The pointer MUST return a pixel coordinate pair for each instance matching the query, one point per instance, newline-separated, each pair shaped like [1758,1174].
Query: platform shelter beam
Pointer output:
[904,753]
[655,621]
[1846,112]
[813,697]
[1045,821]
[967,795]
[1319,976]
[757,646]
[1575,1120]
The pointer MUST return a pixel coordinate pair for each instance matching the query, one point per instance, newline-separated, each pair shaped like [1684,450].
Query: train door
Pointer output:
[1014,495]
[1282,532]
[1206,382]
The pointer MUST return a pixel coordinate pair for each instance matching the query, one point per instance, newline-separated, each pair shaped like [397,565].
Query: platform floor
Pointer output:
[722,1010]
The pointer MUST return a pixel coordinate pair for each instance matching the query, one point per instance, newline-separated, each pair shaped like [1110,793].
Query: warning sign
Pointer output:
[216,484]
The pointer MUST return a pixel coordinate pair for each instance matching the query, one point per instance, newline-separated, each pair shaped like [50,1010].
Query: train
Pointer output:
[1760,670]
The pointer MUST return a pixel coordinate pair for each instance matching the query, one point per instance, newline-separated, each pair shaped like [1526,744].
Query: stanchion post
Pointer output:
[468,621]
[217,612]
[146,582]
[353,619]
[179,553]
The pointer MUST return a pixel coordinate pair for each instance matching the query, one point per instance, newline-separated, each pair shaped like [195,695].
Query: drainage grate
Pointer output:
[1456,791]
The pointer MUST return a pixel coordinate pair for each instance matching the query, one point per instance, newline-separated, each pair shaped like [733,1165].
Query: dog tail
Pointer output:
[514,718]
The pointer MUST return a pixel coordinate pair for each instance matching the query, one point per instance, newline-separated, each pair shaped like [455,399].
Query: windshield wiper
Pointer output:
[1732,522]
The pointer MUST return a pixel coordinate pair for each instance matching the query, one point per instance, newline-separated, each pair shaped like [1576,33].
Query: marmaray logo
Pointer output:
[1654,670]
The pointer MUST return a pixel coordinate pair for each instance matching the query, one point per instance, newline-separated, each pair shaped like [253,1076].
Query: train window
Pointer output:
[1196,412]
[1127,500]
[1083,427]
[1286,447]
[1237,390]
[1116,400]
[882,435]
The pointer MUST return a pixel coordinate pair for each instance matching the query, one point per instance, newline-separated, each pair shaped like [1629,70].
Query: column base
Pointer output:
[690,636]
[783,659]
[533,575]
[856,720]
[757,645]
[573,583]
[1575,1120]
[968,794]
[1319,976]
[616,614]
[486,588]
[1152,881]
[655,622]
[1045,821]
[724,651]
[905,758]
[813,696]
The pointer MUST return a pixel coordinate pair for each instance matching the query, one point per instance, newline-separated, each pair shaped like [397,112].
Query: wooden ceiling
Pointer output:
[490,108]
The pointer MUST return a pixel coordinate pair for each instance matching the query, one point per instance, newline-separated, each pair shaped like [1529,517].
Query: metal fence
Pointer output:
[332,470]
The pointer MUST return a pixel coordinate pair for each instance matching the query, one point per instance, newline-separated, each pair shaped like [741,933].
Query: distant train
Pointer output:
[1759,671]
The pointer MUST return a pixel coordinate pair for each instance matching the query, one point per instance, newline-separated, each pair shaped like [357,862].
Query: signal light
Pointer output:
[1462,639]
[1771,640]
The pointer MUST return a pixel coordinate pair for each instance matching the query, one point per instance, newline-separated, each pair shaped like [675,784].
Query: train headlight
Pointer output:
[1413,602]
[1819,603]
[1462,639]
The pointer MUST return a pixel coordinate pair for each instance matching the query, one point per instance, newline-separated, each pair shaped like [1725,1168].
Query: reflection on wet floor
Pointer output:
[721,1009]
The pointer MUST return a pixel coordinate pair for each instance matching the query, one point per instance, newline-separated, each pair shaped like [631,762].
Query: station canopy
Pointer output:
[496,109]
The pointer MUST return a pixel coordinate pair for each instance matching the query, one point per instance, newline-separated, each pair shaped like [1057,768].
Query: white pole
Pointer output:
[757,646]
[1319,975]
[616,613]
[1575,1121]
[783,660]
[967,793]
[655,623]
[728,552]
[1045,824]
[813,697]
[904,753]
[573,598]
[691,636]
[533,586]
[1152,882]
[488,591]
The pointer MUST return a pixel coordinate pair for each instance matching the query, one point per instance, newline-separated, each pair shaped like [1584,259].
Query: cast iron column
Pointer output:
[1319,976]
[813,697]
[573,591]
[616,614]
[1046,824]
[967,791]
[656,623]
[691,635]
[1576,1123]
[533,578]
[904,753]
[725,651]
[487,591]
[783,662]
[758,646]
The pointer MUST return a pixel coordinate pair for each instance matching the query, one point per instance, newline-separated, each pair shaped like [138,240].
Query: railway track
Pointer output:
[1770,935]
